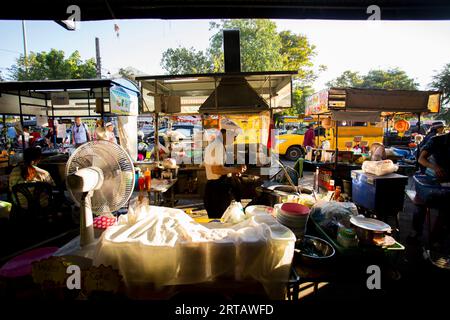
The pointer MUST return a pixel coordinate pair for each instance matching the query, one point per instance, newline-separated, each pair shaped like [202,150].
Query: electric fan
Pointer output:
[100,179]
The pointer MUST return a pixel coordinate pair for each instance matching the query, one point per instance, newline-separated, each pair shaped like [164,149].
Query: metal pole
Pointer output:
[156,126]
[98,59]
[387,129]
[89,104]
[21,121]
[318,131]
[24,35]
[418,123]
[54,128]
[336,139]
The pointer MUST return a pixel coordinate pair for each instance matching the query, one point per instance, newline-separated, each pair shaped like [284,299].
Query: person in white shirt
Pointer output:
[218,190]
[110,136]
[80,133]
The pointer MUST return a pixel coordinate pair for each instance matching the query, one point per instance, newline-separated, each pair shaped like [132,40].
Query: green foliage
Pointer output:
[299,95]
[441,82]
[375,79]
[378,79]
[185,61]
[260,44]
[263,48]
[52,66]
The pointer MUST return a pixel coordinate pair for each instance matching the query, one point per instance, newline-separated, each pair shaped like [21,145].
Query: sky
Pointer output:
[421,48]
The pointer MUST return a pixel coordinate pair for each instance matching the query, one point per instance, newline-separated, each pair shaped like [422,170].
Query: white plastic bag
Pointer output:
[379,168]
[234,213]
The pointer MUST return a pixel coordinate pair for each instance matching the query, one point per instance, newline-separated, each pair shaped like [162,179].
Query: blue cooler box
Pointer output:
[378,193]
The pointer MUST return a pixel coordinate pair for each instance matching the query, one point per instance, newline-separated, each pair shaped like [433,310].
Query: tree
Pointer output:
[263,48]
[260,44]
[347,79]
[185,61]
[52,66]
[441,82]
[375,79]
[299,95]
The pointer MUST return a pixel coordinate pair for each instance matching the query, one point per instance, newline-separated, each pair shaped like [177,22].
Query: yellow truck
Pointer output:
[349,135]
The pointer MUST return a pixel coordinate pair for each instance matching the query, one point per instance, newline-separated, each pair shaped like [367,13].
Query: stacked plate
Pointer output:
[294,216]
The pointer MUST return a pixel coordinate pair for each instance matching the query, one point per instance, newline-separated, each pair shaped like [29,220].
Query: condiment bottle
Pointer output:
[148,179]
[337,193]
[141,183]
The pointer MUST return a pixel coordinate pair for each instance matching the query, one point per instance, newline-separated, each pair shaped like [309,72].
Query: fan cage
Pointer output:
[118,171]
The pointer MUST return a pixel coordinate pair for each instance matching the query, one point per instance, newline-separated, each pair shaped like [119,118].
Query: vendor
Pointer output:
[219,188]
[29,172]
[377,152]
[435,157]
[435,130]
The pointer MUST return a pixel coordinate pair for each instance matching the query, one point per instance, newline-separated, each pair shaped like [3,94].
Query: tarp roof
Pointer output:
[209,9]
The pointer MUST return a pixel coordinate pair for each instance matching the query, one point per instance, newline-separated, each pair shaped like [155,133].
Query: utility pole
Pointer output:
[97,56]
[24,35]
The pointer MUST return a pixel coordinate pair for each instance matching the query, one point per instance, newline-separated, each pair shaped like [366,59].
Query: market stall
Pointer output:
[53,104]
[353,122]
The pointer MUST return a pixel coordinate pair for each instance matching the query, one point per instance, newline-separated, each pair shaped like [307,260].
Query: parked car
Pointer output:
[187,130]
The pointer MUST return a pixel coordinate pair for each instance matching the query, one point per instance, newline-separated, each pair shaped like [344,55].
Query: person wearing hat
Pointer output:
[219,188]
[110,136]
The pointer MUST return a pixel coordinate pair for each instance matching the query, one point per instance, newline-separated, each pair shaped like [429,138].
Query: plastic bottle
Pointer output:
[148,179]
[141,183]
[337,193]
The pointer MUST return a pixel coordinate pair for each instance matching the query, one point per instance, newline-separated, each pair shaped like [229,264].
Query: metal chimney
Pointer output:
[232,51]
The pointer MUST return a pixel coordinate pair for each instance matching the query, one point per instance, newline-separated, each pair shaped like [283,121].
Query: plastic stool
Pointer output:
[21,265]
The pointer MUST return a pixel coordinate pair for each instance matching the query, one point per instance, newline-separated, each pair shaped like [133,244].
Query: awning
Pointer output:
[359,116]
[387,100]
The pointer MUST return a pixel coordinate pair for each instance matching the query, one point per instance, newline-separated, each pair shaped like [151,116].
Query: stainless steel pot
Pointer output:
[275,194]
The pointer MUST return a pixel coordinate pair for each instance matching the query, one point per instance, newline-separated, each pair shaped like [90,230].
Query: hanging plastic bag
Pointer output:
[234,213]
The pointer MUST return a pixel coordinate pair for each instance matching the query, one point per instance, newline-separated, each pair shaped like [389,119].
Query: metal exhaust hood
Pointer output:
[233,93]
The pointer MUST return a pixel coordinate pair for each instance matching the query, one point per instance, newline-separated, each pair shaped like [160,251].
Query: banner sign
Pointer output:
[123,101]
[317,103]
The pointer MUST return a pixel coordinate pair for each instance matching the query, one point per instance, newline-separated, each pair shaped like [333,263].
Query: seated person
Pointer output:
[29,172]
[435,157]
[377,152]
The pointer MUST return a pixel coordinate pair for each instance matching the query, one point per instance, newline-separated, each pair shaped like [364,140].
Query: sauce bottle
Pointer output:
[337,193]
[148,179]
[141,183]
